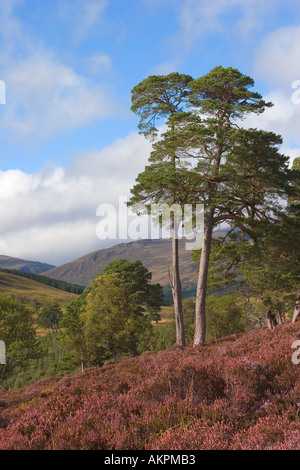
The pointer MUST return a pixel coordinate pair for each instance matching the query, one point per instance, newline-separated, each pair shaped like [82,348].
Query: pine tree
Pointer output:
[241,173]
[19,336]
[162,182]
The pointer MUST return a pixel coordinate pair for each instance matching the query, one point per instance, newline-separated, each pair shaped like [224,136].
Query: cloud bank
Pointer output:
[51,215]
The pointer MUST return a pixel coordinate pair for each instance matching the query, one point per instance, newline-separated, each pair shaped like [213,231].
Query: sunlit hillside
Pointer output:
[27,289]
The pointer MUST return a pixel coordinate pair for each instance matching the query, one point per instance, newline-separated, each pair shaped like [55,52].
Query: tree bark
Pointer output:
[134,351]
[114,355]
[271,320]
[297,308]
[200,327]
[176,289]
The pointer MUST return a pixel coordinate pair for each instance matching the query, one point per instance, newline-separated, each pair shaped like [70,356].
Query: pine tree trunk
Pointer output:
[297,308]
[271,320]
[200,327]
[176,290]
[114,355]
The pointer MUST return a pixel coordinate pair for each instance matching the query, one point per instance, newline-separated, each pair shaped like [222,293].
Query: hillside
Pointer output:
[154,254]
[240,392]
[27,289]
[36,267]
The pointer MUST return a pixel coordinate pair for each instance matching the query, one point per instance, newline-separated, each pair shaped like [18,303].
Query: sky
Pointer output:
[68,140]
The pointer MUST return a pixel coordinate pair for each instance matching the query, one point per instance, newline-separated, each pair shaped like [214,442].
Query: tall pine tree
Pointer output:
[242,175]
[154,98]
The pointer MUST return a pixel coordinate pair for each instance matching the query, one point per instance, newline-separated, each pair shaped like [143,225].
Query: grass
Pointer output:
[167,314]
[26,289]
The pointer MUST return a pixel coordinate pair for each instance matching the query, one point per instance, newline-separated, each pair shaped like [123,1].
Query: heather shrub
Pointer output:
[240,392]
[197,436]
[271,432]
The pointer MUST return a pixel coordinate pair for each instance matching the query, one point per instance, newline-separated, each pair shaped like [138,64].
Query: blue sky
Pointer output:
[68,140]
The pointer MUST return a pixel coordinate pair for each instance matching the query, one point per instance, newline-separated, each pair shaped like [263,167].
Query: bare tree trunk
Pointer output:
[200,327]
[297,308]
[271,320]
[176,289]
[270,317]
[114,355]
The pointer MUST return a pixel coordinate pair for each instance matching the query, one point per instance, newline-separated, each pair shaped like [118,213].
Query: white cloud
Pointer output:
[277,58]
[283,118]
[51,215]
[45,96]
[57,243]
[277,63]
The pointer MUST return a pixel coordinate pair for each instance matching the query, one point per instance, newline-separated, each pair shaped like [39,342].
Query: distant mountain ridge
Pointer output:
[155,255]
[8,262]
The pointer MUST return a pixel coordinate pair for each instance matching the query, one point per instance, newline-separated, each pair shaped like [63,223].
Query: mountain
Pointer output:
[35,267]
[237,393]
[27,289]
[154,254]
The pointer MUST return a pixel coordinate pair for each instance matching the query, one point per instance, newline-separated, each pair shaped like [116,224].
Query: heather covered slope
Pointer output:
[241,392]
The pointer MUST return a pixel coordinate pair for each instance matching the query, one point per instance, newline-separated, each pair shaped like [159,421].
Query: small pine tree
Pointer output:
[50,316]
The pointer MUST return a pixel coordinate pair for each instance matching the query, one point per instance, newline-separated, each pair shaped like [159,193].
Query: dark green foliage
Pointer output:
[225,93]
[50,316]
[241,173]
[226,315]
[154,317]
[52,362]
[238,174]
[266,271]
[158,96]
[19,335]
[136,285]
[35,305]
[73,339]
[188,291]
[113,318]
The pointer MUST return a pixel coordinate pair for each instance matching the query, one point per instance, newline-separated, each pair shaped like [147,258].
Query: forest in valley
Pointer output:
[118,370]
